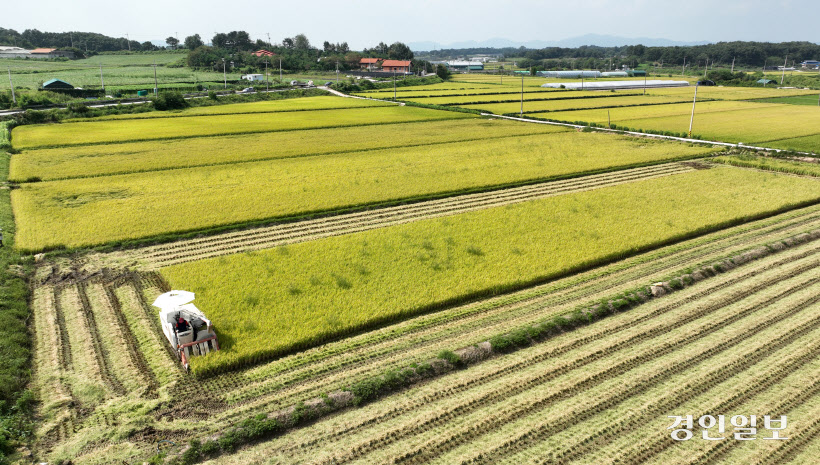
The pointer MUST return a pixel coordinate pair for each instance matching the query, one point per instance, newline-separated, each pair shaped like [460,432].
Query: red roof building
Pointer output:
[369,63]
[50,53]
[396,66]
[263,53]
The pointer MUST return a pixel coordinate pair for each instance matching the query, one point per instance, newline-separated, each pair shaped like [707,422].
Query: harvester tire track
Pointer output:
[100,353]
[137,357]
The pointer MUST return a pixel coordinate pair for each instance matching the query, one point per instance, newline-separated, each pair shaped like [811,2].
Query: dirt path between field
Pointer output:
[340,94]
[158,256]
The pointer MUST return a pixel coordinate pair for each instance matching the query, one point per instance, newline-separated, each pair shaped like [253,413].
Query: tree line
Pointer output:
[84,42]
[233,50]
[744,54]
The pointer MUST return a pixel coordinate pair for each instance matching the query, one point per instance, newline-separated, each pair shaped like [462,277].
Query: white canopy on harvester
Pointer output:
[173,299]
[187,329]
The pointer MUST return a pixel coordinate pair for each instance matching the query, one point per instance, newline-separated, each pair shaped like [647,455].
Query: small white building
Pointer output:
[254,77]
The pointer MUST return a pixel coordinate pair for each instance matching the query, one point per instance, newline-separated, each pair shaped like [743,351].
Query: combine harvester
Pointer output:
[185,327]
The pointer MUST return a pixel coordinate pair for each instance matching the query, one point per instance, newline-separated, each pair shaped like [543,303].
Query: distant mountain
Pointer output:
[588,39]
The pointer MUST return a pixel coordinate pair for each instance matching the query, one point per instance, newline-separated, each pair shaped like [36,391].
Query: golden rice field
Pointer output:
[515,96]
[88,211]
[732,122]
[441,86]
[623,115]
[112,131]
[804,144]
[624,100]
[105,159]
[501,90]
[730,93]
[270,106]
[308,292]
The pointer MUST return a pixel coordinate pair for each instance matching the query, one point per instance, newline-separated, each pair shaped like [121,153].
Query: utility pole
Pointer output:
[267,86]
[156,86]
[683,70]
[692,118]
[280,68]
[337,71]
[522,95]
[269,44]
[733,64]
[13,97]
[71,36]
[783,76]
[394,84]
[127,39]
[224,73]
[102,83]
[644,81]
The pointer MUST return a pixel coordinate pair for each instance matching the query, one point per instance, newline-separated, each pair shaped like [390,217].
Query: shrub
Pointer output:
[169,101]
[210,448]
[193,454]
[501,343]
[451,357]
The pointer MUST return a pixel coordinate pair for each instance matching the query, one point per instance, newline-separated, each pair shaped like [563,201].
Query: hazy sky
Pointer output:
[363,23]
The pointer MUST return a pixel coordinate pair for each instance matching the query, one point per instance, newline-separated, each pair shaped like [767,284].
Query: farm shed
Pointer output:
[13,52]
[56,84]
[614,74]
[50,53]
[636,72]
[570,74]
[766,81]
[396,66]
[465,65]
[253,77]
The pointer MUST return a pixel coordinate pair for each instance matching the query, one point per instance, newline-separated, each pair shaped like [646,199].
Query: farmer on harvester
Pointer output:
[182,325]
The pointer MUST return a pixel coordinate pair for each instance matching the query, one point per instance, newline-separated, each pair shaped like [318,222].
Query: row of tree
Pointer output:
[80,41]
[233,50]
[745,54]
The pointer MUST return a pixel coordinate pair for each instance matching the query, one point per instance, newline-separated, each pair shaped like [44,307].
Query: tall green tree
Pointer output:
[194,41]
[399,51]
[172,41]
